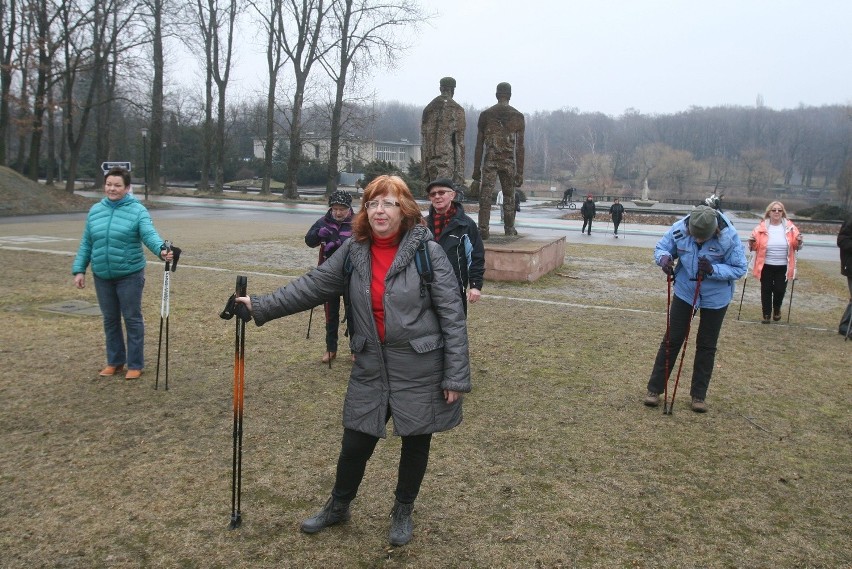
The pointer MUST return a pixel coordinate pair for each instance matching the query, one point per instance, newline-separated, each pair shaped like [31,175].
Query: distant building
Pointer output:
[353,151]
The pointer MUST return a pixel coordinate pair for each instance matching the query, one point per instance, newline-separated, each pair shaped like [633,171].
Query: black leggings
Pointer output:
[773,285]
[356,450]
[332,324]
[587,221]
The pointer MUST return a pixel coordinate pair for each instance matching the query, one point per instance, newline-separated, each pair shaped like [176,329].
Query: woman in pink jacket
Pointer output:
[775,241]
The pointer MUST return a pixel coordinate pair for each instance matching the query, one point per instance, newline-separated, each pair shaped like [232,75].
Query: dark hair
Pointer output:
[118,171]
[392,186]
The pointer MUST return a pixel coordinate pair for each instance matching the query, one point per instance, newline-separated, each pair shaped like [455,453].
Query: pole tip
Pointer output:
[236,521]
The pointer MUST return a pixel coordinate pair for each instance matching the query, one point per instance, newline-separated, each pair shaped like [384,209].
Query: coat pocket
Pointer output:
[357,343]
[426,344]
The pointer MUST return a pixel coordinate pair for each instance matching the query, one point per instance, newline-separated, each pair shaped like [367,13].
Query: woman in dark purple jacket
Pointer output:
[328,233]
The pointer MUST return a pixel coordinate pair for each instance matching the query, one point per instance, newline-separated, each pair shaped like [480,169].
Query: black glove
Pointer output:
[176,251]
[233,307]
[667,264]
[705,266]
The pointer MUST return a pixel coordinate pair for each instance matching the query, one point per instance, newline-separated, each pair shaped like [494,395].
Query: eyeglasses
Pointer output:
[781,210]
[386,204]
[437,193]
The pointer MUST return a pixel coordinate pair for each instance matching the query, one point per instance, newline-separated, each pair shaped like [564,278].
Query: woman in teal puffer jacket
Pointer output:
[116,228]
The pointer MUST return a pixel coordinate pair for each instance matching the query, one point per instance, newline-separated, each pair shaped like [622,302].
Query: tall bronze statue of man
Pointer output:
[442,136]
[499,154]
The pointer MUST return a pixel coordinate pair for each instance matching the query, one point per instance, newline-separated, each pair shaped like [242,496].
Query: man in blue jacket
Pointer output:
[710,256]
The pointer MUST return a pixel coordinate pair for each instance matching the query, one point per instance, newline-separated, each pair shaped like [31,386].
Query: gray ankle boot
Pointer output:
[402,528]
[334,512]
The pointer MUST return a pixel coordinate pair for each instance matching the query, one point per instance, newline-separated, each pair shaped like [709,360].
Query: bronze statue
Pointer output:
[442,135]
[499,154]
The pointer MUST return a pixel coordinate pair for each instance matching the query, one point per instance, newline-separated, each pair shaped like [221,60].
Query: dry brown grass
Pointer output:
[557,463]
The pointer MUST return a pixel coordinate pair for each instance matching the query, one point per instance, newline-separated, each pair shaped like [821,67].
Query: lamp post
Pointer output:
[163,167]
[145,159]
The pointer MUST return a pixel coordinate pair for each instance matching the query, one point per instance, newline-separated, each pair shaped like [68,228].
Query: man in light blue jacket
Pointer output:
[710,255]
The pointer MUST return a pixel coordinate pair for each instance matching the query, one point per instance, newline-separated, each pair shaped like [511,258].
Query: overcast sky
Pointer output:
[655,56]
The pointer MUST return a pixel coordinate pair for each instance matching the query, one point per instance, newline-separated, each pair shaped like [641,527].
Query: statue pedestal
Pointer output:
[522,258]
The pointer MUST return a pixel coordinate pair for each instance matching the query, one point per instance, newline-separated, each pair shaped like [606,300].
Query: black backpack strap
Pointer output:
[424,268]
[347,302]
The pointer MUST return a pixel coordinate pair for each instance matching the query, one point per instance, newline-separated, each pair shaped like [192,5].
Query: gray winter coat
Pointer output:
[425,349]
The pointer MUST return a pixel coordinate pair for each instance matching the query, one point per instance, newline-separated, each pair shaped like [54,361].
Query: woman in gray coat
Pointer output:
[409,338]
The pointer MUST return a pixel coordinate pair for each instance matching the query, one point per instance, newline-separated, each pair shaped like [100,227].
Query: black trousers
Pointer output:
[773,285]
[705,347]
[332,324]
[616,221]
[356,450]
[587,220]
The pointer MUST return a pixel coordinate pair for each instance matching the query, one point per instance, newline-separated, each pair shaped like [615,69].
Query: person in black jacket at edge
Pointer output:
[458,235]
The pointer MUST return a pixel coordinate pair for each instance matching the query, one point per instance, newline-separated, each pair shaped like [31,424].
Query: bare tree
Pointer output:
[366,32]
[215,21]
[596,170]
[677,168]
[89,46]
[757,172]
[156,15]
[270,13]
[844,186]
[8,29]
[301,43]
[646,158]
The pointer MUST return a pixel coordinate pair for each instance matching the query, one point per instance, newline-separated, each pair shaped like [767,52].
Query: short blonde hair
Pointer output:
[772,205]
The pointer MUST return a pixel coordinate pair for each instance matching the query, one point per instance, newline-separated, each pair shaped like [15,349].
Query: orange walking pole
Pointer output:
[239,389]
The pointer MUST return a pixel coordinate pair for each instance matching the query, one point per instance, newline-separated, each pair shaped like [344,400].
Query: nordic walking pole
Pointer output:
[239,386]
[164,310]
[685,343]
[745,282]
[793,286]
[669,280]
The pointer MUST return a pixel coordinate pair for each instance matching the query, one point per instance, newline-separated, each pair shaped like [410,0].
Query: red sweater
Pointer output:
[382,253]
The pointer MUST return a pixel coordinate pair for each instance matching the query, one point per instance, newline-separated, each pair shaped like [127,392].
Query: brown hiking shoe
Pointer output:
[698,405]
[652,399]
[109,371]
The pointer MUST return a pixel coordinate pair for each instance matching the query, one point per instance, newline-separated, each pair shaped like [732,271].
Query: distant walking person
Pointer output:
[775,241]
[116,228]
[587,210]
[500,203]
[616,211]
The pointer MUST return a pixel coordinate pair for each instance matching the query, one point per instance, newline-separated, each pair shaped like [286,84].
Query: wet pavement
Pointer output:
[537,218]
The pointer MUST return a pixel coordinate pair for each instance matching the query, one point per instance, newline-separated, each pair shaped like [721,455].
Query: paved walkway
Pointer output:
[535,219]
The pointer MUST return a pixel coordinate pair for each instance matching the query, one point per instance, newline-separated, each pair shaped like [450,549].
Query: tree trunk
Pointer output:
[156,139]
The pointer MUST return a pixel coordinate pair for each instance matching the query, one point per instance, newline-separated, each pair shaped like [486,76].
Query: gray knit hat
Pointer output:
[702,222]
[340,198]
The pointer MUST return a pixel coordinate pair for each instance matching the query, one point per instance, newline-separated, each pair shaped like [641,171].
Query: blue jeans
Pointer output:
[119,298]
